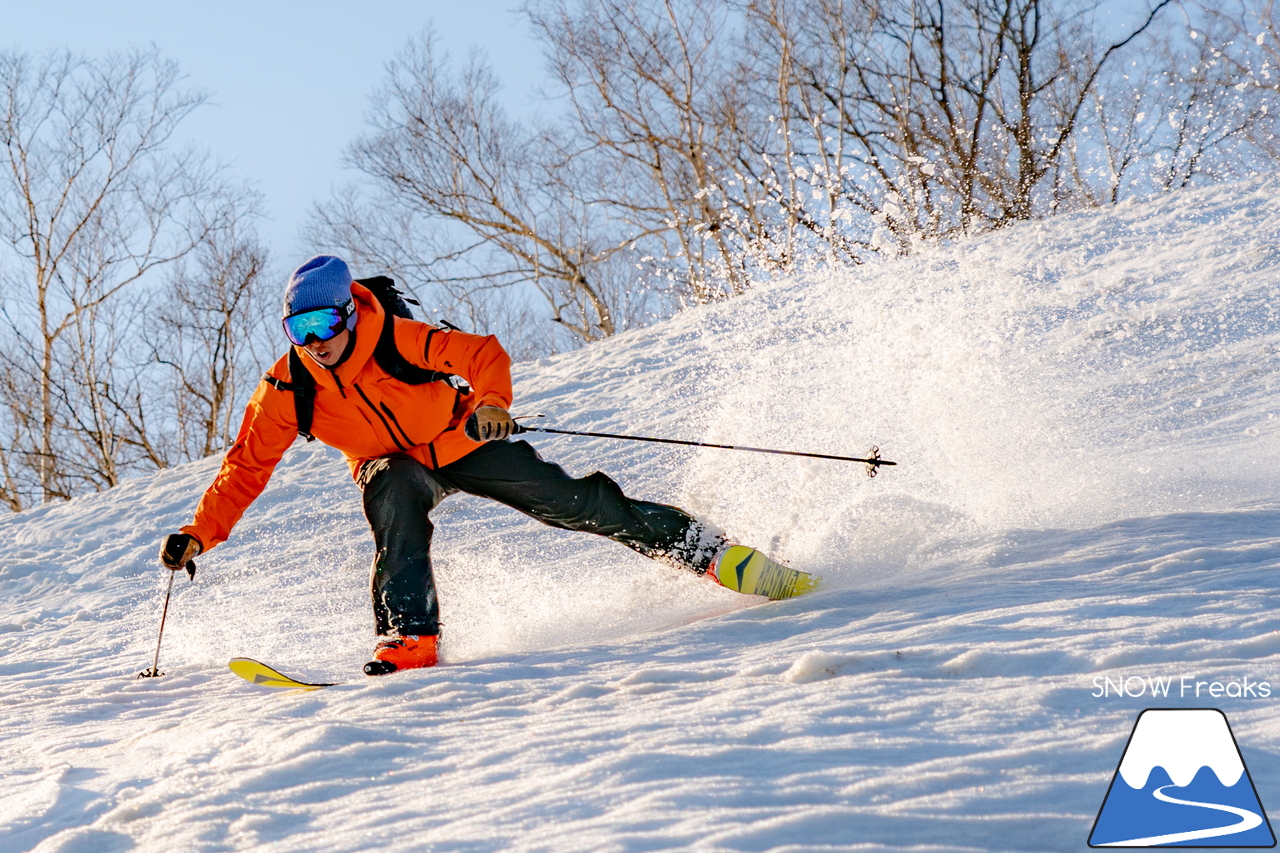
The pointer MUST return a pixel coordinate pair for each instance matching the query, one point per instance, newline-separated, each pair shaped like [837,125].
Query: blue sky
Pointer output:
[288,82]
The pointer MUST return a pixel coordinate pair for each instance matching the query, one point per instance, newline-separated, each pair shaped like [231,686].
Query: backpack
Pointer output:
[303,385]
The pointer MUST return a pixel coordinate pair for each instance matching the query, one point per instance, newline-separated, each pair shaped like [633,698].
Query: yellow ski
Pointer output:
[259,673]
[746,570]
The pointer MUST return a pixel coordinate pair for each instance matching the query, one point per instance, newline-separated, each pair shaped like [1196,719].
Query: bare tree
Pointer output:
[1235,65]
[706,144]
[935,117]
[650,85]
[92,200]
[16,458]
[514,210]
[216,335]
[1197,102]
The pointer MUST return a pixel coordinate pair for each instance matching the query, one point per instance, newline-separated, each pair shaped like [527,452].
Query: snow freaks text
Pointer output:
[1181,686]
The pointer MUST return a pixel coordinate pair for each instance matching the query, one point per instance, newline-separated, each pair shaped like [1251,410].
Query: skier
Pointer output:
[385,391]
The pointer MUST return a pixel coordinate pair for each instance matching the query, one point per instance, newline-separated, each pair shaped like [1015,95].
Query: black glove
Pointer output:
[489,423]
[178,550]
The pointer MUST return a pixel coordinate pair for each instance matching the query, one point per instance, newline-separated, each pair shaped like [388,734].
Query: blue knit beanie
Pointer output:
[322,282]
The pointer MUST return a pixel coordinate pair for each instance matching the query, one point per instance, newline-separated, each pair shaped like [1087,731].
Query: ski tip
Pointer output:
[257,672]
[750,572]
[806,584]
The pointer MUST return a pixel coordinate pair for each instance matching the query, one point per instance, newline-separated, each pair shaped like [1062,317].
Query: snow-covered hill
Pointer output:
[1088,493]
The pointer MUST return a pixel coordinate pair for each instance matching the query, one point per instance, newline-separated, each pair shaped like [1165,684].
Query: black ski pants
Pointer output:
[400,492]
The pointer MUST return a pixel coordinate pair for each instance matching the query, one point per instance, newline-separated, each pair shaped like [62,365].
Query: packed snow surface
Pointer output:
[1086,510]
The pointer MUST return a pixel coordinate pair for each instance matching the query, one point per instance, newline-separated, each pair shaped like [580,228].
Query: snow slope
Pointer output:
[1087,499]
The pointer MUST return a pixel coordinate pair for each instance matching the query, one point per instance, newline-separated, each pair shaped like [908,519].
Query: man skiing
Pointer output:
[385,391]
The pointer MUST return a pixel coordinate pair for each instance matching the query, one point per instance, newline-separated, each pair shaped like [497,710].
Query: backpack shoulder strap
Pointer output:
[386,353]
[303,387]
[395,365]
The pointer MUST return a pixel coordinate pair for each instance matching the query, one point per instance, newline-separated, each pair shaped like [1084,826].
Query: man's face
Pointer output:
[328,352]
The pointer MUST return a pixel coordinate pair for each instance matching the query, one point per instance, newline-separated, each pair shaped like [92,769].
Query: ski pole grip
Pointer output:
[472,429]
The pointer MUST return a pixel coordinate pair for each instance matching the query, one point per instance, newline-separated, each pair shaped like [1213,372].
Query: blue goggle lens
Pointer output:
[319,324]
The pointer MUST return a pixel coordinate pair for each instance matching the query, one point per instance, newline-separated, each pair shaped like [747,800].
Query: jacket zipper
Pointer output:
[386,425]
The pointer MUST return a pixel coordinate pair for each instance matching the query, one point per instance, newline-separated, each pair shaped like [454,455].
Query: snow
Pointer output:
[1084,415]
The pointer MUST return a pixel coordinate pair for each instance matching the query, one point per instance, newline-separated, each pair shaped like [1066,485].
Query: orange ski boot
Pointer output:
[396,653]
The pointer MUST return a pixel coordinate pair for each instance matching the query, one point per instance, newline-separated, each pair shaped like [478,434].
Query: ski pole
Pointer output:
[155,665]
[873,460]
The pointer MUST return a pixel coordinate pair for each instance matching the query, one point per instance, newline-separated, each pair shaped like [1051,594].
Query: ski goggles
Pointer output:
[317,324]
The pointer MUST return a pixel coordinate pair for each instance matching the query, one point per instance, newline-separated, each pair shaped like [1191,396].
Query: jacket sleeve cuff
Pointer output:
[192,532]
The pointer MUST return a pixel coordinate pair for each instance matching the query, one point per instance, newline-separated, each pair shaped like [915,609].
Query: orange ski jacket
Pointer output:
[360,410]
